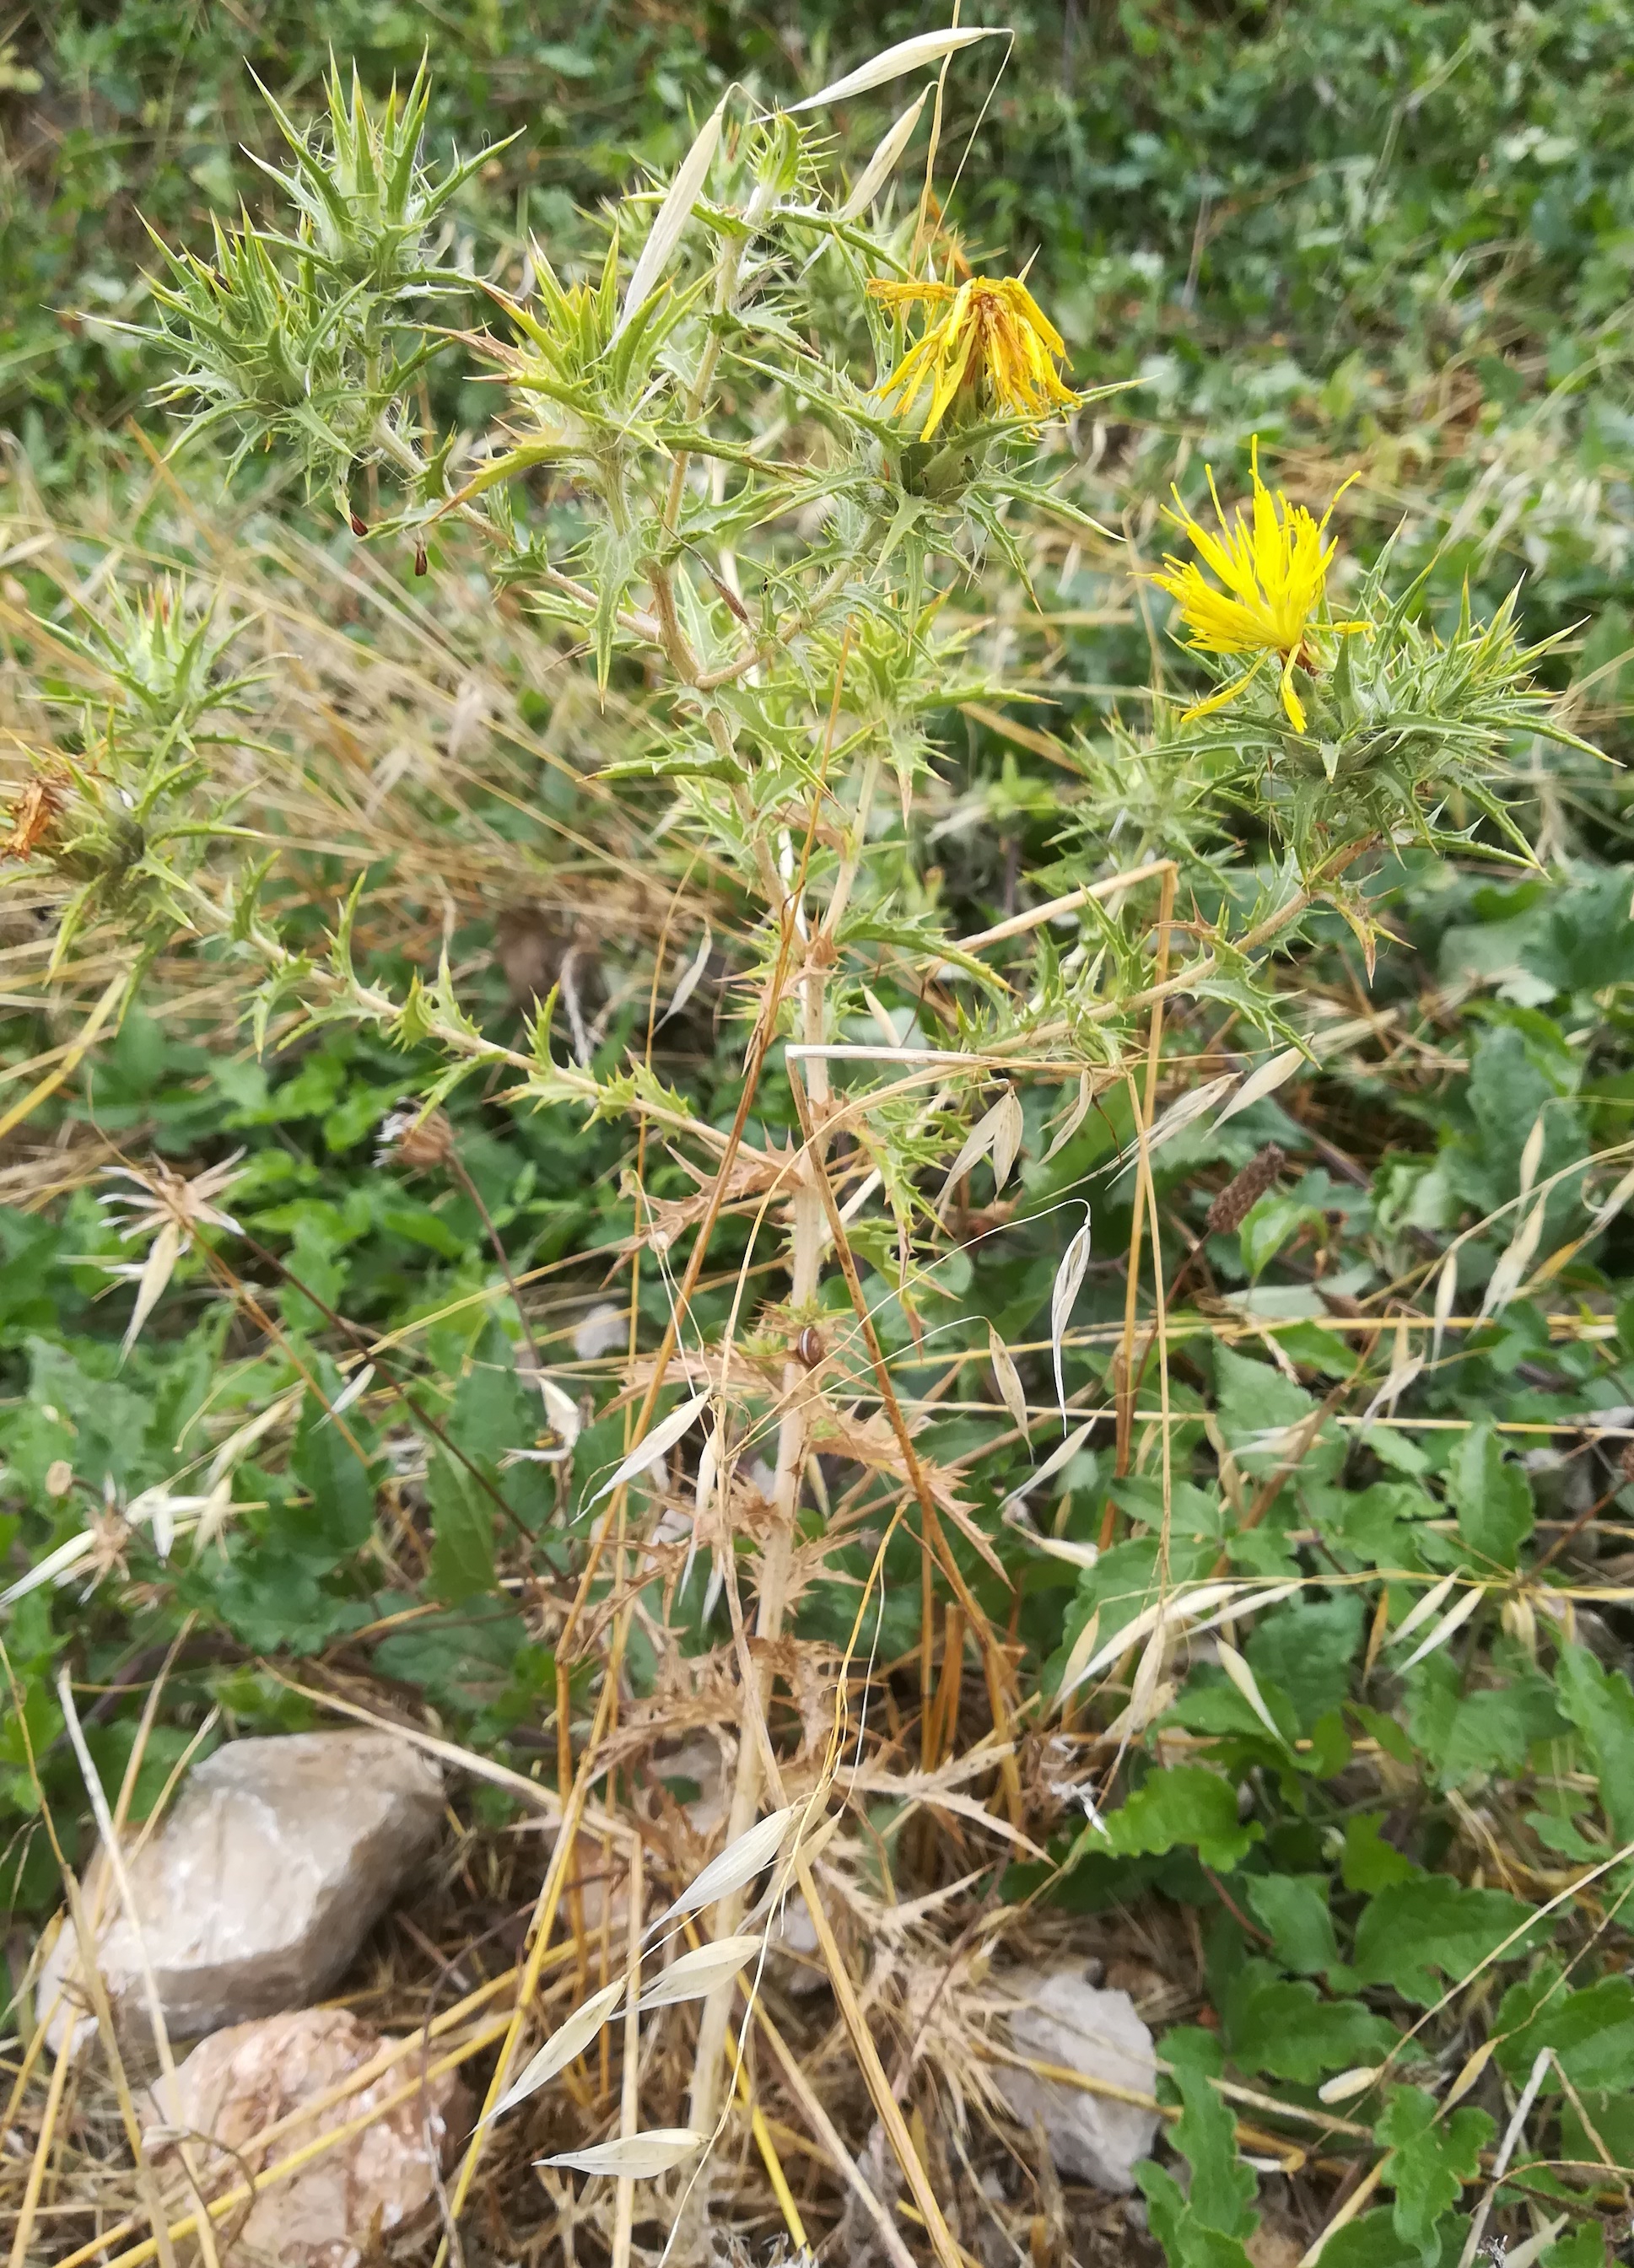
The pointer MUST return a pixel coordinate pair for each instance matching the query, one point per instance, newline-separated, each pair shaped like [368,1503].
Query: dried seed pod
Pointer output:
[1237,1200]
[809,1347]
[417,1140]
[31,816]
[732,600]
[360,526]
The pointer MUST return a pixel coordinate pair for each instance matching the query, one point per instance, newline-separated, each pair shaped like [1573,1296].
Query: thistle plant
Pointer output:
[122,811]
[740,468]
[306,341]
[1346,730]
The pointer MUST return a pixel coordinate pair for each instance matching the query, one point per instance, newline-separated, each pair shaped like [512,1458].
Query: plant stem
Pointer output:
[807,1241]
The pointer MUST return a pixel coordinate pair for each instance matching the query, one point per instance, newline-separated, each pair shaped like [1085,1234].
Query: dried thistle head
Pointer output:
[418,1139]
[170,1208]
[34,815]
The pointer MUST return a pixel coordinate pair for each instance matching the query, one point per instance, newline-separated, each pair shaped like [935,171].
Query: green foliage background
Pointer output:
[1394,232]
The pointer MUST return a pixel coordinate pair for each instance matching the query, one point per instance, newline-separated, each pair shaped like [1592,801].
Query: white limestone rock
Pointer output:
[352,2198]
[259,1885]
[1060,2018]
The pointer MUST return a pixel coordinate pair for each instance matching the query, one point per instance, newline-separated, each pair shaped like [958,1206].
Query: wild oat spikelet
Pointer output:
[1237,1200]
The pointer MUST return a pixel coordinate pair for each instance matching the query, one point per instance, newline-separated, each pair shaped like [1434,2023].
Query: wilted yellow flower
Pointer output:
[1274,572]
[991,330]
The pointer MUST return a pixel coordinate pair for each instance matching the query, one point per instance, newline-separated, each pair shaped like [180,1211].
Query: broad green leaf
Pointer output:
[1203,2226]
[1591,2031]
[1492,1497]
[338,1517]
[1187,1805]
[1294,1909]
[1414,1932]
[1601,1704]
[1305,1648]
[1265,1229]
[494,1415]
[1370,1863]
[463,1542]
[272,1598]
[1281,2025]
[1124,1585]
[1583,2247]
[1370,2240]
[1259,1412]
[1486,1731]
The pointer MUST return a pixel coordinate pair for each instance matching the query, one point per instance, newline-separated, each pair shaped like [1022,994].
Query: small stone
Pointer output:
[1061,2019]
[603,1329]
[694,1775]
[1274,2244]
[261,1883]
[378,2184]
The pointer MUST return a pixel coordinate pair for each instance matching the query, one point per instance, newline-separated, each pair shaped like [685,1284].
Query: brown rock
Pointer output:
[378,2184]
[261,1884]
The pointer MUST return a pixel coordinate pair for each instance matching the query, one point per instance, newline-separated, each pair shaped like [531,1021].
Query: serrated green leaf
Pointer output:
[338,1518]
[1492,1497]
[1413,1932]
[1281,2026]
[1203,2226]
[1429,2161]
[1592,2030]
[1294,1909]
[1601,1704]
[1185,1805]
[463,1544]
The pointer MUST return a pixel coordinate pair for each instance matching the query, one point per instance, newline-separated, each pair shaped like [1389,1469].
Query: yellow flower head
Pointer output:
[991,330]
[1274,573]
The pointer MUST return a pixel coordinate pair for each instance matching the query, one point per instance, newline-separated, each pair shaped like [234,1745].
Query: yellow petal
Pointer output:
[906,295]
[1226,692]
[1291,700]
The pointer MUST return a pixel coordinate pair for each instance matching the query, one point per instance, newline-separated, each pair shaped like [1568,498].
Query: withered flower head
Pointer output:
[418,1139]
